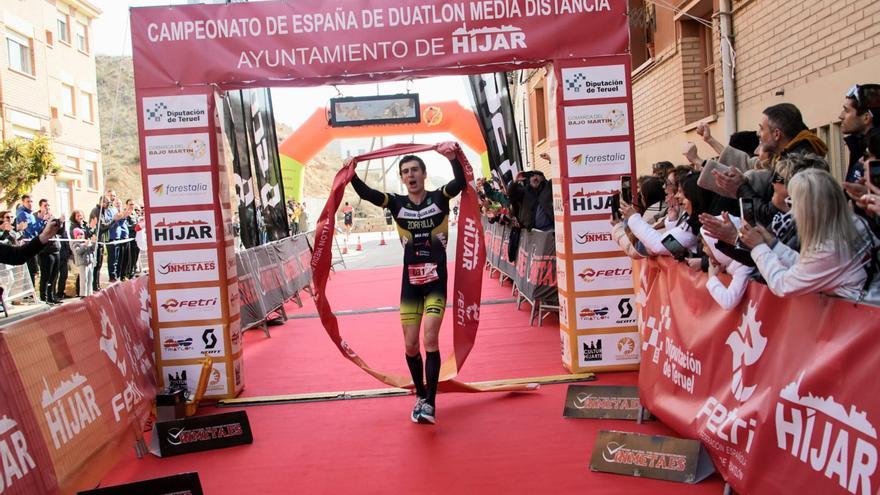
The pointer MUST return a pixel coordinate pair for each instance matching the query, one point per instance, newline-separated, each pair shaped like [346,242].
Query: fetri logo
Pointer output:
[488,39]
[590,275]
[172,305]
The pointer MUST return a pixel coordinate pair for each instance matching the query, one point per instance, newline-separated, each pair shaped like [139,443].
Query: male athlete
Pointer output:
[423,223]
[347,218]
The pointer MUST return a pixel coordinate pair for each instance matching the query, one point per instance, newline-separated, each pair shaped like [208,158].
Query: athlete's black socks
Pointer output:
[415,369]
[432,373]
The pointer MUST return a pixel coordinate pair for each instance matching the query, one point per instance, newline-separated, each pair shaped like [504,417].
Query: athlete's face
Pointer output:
[413,177]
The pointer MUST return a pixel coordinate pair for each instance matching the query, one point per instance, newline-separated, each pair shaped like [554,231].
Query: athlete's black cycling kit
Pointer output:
[424,230]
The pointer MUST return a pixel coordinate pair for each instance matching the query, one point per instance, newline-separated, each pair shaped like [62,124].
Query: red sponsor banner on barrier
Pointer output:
[77,389]
[314,42]
[780,391]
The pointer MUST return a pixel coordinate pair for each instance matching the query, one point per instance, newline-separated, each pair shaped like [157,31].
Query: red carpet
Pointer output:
[484,443]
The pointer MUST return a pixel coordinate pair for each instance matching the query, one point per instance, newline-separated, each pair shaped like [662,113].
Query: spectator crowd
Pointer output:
[767,208]
[78,245]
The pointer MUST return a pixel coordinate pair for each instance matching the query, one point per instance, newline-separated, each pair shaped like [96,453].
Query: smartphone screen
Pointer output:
[626,188]
[674,247]
[874,168]
[615,206]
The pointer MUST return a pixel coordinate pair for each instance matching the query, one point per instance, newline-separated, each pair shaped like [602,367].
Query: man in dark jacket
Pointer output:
[100,227]
[860,114]
[531,201]
[64,257]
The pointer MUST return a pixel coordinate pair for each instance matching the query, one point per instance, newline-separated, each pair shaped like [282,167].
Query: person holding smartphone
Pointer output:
[834,245]
[683,237]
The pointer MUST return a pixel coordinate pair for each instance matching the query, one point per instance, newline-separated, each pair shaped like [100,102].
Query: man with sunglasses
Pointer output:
[860,114]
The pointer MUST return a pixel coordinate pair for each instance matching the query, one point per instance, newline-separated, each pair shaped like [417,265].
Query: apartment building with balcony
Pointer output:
[47,86]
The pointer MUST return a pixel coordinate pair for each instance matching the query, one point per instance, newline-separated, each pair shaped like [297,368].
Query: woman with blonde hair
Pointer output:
[834,244]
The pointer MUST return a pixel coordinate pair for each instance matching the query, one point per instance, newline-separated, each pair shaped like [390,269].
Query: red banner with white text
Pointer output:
[317,42]
[780,391]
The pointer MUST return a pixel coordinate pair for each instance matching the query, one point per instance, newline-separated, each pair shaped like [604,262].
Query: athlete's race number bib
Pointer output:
[423,273]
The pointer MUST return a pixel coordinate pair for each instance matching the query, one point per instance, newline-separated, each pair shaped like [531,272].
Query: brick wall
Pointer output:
[807,53]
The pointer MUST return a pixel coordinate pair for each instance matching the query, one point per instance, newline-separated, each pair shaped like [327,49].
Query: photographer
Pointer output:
[531,201]
[8,234]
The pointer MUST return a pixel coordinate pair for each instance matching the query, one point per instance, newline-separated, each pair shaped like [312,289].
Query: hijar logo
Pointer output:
[565,341]
[471,244]
[177,150]
[583,83]
[596,121]
[69,408]
[194,188]
[183,228]
[175,112]
[589,160]
[592,198]
[17,461]
[488,39]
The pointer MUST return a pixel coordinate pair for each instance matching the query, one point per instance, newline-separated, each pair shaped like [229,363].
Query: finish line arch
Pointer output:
[186,55]
[315,134]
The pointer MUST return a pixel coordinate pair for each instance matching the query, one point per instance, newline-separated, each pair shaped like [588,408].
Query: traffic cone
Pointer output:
[382,238]
[345,246]
[360,247]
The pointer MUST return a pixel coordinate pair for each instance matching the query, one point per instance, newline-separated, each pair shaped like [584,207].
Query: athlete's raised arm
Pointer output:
[456,185]
[366,192]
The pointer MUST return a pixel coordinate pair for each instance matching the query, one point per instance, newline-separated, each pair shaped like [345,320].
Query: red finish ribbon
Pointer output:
[469,261]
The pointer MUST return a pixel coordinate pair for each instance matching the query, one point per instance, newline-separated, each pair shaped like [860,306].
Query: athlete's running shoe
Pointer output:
[426,416]
[417,410]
